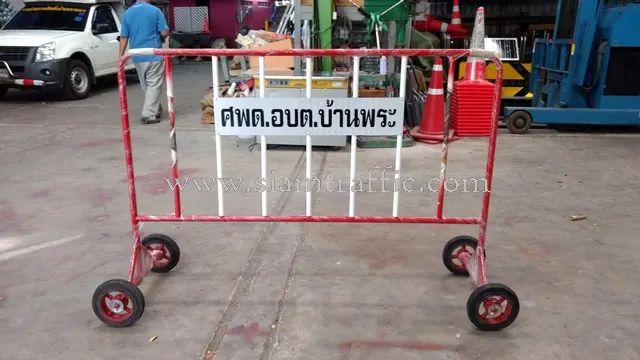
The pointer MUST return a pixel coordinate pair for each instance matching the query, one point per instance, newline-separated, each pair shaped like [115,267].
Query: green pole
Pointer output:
[325,30]
[401,34]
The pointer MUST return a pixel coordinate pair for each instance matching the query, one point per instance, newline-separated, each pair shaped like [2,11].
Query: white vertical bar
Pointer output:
[354,139]
[403,77]
[309,147]
[263,144]
[307,34]
[216,81]
[396,180]
[305,31]
[262,79]
[216,94]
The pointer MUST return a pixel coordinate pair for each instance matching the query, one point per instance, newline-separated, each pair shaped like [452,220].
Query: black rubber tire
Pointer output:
[3,91]
[519,122]
[477,297]
[451,246]
[69,92]
[134,295]
[170,245]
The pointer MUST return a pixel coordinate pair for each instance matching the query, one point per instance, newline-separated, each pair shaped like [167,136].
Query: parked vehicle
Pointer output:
[66,45]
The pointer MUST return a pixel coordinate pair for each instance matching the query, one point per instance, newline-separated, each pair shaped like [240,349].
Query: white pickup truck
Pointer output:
[61,44]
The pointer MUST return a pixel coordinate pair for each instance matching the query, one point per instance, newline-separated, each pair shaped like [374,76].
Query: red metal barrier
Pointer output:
[119,303]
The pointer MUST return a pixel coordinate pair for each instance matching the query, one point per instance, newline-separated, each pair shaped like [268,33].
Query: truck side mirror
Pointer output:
[101,29]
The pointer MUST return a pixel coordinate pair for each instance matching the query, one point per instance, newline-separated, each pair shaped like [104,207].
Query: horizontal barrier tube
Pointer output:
[311,219]
[480,53]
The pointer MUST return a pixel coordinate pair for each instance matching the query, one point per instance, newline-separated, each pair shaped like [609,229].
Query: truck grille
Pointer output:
[13,53]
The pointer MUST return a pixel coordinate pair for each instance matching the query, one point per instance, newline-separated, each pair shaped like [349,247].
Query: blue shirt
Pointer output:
[142,24]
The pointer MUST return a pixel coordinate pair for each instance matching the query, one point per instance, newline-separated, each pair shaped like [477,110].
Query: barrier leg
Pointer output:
[118,302]
[491,306]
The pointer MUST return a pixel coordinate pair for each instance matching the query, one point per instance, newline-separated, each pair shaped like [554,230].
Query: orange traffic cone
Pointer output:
[475,67]
[456,21]
[205,25]
[472,101]
[431,129]
[455,28]
[435,25]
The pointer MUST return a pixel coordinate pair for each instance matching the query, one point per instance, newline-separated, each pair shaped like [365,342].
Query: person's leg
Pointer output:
[153,96]
[143,74]
[141,70]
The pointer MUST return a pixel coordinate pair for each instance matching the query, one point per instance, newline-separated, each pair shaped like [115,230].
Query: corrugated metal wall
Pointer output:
[503,18]
[495,9]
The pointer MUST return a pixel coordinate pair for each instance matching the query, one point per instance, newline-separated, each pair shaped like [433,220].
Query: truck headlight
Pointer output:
[46,52]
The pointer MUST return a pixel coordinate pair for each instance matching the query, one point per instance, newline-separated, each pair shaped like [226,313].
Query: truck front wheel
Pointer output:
[77,83]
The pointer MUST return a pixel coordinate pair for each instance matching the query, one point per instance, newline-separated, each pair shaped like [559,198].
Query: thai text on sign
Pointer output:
[315,116]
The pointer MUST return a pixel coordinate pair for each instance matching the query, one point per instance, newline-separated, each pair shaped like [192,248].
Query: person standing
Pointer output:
[144,26]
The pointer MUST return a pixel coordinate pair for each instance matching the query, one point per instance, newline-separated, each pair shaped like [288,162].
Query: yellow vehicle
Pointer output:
[516,68]
[516,55]
[515,78]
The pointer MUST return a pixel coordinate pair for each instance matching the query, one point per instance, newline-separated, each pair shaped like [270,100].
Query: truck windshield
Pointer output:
[41,16]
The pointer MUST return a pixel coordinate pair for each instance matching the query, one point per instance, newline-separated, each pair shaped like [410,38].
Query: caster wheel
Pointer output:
[493,307]
[452,250]
[519,122]
[118,303]
[169,249]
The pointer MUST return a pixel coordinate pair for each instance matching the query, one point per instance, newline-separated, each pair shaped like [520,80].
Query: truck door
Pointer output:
[105,39]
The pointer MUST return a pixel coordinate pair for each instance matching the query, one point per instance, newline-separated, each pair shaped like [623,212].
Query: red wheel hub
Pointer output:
[455,257]
[495,309]
[160,254]
[116,307]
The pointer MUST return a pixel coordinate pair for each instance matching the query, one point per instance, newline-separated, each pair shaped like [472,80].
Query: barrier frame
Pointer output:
[159,253]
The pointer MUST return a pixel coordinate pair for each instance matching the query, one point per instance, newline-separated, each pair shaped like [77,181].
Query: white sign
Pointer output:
[315,116]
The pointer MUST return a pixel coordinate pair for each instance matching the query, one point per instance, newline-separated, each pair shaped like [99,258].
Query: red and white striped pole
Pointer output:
[168,65]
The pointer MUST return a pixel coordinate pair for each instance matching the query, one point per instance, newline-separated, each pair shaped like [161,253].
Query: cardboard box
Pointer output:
[208,118]
[274,62]
[372,93]
[272,72]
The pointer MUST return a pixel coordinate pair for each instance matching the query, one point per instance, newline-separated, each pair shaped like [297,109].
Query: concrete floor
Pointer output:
[307,291]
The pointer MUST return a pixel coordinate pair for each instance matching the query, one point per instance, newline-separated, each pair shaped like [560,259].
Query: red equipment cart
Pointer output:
[120,303]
